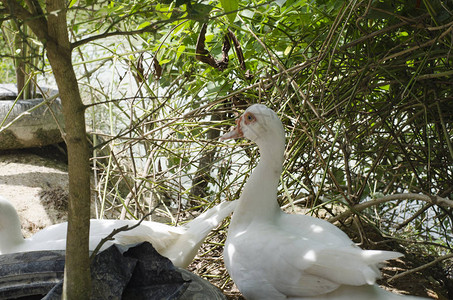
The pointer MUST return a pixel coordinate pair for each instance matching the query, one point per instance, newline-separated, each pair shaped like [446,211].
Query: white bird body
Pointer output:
[180,244]
[273,255]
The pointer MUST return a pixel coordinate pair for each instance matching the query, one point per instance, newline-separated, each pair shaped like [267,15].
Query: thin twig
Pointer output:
[409,196]
[114,232]
[431,263]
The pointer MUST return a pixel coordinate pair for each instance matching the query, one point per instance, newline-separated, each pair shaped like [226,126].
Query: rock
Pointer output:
[36,123]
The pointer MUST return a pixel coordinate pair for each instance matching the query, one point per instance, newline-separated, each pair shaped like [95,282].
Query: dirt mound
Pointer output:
[36,183]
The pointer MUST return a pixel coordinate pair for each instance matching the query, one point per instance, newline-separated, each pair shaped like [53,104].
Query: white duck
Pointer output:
[274,255]
[179,244]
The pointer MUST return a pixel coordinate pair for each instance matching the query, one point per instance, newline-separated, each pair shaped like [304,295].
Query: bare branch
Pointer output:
[150,28]
[431,263]
[203,55]
[409,196]
[114,232]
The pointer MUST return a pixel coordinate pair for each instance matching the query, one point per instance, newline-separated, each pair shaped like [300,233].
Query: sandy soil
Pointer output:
[36,186]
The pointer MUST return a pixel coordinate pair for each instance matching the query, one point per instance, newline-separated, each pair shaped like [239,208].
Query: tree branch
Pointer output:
[37,22]
[409,196]
[237,47]
[115,231]
[431,263]
[150,28]
[203,55]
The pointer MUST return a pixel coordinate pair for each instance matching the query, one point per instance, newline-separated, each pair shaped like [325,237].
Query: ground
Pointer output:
[36,182]
[32,183]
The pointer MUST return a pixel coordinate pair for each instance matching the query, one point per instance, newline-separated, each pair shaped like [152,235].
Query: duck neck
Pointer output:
[259,196]
[10,233]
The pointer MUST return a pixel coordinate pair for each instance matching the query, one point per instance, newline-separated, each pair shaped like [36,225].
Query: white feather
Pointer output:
[273,255]
[179,244]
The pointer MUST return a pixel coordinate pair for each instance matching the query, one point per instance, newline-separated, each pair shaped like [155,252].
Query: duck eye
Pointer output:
[249,118]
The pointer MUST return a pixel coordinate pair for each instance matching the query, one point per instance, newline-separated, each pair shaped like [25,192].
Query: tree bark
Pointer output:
[77,279]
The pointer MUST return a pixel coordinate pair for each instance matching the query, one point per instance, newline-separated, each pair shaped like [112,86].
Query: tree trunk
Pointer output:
[203,176]
[77,280]
[19,61]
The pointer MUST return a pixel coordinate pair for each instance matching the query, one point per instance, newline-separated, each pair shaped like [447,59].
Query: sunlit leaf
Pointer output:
[143,25]
[230,7]
[72,3]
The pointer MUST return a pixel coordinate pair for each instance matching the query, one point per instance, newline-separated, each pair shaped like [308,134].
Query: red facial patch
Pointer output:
[238,126]
[249,118]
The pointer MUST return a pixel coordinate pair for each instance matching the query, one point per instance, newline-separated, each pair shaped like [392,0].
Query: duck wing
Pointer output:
[325,258]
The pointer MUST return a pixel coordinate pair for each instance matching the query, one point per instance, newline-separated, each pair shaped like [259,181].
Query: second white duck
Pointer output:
[180,244]
[273,255]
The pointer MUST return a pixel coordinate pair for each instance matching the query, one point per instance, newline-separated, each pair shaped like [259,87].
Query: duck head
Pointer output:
[261,125]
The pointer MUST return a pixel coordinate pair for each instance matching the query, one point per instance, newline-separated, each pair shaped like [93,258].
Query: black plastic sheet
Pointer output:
[119,272]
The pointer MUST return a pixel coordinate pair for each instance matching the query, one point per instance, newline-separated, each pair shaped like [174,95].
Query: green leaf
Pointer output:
[71,4]
[199,12]
[180,51]
[143,25]
[229,6]
[288,50]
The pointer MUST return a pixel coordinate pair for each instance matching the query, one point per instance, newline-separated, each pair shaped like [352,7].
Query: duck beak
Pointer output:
[235,133]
